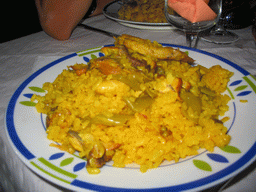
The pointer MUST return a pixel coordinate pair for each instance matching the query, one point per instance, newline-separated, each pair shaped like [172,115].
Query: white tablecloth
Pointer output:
[21,57]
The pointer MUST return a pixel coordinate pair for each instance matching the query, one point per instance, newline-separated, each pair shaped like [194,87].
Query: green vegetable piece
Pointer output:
[208,91]
[117,119]
[191,101]
[131,82]
[140,103]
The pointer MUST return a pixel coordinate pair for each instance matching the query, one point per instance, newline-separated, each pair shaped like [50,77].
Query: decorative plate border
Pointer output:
[240,88]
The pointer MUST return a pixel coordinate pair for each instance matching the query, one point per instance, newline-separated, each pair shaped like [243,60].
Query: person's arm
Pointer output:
[58,18]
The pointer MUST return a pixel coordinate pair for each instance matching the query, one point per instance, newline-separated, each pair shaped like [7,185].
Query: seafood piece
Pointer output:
[79,68]
[99,153]
[75,140]
[111,146]
[106,66]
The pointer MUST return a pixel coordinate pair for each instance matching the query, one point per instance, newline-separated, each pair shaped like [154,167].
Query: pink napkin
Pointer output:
[193,10]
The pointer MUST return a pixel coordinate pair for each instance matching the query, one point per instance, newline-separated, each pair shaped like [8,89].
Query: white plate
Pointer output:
[111,12]
[26,132]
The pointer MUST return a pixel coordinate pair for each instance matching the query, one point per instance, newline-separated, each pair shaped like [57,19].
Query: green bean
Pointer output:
[207,91]
[192,101]
[140,103]
[133,83]
[117,119]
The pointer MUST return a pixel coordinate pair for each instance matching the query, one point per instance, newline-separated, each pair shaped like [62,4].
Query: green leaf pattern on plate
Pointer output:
[243,90]
[93,56]
[202,165]
[28,103]
[230,149]
[37,89]
[66,161]
[240,88]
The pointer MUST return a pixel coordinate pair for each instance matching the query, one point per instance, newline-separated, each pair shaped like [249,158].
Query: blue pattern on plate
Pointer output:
[86,59]
[235,83]
[79,166]
[244,93]
[217,157]
[56,156]
[28,95]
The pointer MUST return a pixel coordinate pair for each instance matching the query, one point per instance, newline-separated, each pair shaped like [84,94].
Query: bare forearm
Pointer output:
[59,17]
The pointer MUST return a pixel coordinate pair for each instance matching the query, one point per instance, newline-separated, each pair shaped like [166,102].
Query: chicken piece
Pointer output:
[146,47]
[110,51]
[177,84]
[186,85]
[128,61]
[112,87]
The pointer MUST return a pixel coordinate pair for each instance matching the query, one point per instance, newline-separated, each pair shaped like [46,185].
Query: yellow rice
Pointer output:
[157,133]
[150,11]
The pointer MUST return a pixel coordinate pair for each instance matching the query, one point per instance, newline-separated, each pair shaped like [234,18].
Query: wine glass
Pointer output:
[219,34]
[192,29]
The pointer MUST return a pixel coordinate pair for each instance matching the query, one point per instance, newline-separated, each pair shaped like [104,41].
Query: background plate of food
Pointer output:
[138,14]
[135,116]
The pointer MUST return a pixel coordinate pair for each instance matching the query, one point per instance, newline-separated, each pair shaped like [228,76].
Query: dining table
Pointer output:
[22,57]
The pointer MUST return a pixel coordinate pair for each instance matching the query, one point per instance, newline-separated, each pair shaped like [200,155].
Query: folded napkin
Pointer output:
[193,10]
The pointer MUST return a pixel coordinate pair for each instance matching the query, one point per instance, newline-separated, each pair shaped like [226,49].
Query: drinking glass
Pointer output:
[192,29]
[219,34]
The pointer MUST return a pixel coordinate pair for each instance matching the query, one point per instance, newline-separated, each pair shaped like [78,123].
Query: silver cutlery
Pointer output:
[98,30]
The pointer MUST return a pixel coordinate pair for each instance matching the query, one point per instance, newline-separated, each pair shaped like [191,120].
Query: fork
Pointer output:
[98,30]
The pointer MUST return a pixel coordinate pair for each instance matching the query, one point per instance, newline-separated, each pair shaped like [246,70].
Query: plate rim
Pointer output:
[242,162]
